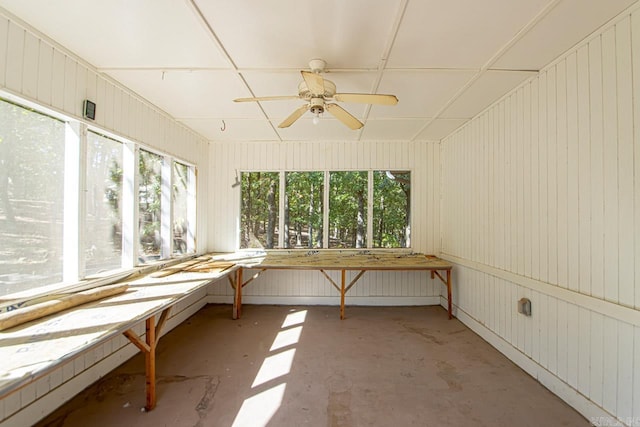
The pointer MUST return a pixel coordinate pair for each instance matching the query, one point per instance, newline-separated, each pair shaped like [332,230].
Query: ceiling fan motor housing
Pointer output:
[317,106]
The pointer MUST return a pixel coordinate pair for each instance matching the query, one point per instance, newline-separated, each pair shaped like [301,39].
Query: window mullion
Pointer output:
[325,212]
[72,245]
[191,208]
[370,209]
[130,202]
[166,208]
[281,197]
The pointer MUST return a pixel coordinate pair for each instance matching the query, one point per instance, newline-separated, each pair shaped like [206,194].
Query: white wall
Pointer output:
[541,199]
[422,158]
[38,70]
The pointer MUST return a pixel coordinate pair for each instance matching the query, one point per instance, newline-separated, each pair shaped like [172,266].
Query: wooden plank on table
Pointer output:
[17,317]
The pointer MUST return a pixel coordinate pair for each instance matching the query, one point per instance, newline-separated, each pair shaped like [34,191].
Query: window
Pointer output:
[68,197]
[365,209]
[259,211]
[103,239]
[391,209]
[348,210]
[32,165]
[303,209]
[149,197]
[182,226]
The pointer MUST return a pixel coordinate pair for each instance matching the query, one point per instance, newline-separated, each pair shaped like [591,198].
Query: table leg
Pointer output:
[342,293]
[237,295]
[150,363]
[449,293]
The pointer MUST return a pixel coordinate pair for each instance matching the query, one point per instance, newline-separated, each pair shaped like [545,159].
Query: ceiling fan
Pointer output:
[316,91]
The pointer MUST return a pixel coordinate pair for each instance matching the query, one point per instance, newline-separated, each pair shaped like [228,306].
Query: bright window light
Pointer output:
[295,318]
[258,410]
[286,338]
[274,366]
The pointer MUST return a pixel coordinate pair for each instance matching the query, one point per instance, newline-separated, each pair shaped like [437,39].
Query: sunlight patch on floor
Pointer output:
[257,410]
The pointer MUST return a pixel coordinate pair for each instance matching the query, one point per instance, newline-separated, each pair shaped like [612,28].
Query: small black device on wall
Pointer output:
[89,110]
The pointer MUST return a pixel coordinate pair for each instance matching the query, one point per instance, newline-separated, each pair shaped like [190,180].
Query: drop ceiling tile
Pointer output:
[567,24]
[420,93]
[234,129]
[327,130]
[288,33]
[439,129]
[192,94]
[123,33]
[461,33]
[378,130]
[484,91]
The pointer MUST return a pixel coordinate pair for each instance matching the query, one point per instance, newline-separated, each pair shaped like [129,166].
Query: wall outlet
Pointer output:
[524,306]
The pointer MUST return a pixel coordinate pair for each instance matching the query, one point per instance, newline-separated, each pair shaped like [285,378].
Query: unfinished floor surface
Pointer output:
[299,366]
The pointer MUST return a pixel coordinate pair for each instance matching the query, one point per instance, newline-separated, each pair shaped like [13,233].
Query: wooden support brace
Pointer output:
[335,285]
[163,319]
[447,283]
[231,282]
[355,279]
[136,340]
[255,276]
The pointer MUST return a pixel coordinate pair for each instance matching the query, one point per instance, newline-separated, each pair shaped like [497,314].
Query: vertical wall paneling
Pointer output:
[30,66]
[69,97]
[45,64]
[635,32]
[557,162]
[625,161]
[584,169]
[610,165]
[552,187]
[597,177]
[4,35]
[14,59]
[573,226]
[561,153]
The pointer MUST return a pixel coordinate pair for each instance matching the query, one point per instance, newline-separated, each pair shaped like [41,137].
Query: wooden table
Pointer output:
[33,350]
[342,261]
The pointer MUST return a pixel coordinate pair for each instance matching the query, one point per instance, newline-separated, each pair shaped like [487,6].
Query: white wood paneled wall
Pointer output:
[421,158]
[39,71]
[541,199]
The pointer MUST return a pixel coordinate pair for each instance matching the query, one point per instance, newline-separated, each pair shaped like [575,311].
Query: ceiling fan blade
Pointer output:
[314,81]
[294,116]
[341,114]
[364,98]
[266,98]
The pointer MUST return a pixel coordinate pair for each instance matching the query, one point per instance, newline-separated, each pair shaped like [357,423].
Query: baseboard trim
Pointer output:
[564,391]
[297,300]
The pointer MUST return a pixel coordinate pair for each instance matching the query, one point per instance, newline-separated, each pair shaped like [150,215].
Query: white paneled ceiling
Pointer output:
[445,60]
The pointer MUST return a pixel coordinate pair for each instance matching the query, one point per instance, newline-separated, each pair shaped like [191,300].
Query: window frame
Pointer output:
[326,198]
[75,277]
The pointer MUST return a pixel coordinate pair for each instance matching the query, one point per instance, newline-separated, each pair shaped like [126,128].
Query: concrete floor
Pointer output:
[299,366]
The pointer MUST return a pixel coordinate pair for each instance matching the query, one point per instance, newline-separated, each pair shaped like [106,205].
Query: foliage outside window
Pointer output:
[348,210]
[49,197]
[103,241]
[303,210]
[259,211]
[149,197]
[32,156]
[391,209]
[350,221]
